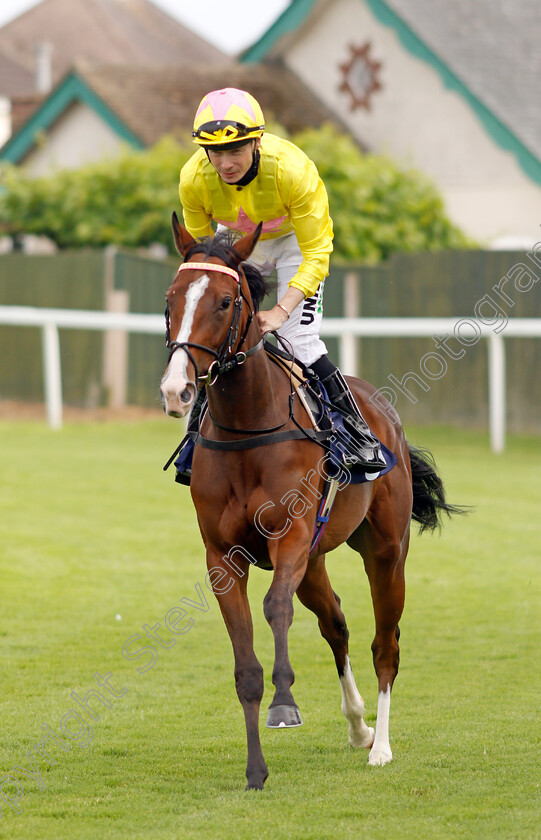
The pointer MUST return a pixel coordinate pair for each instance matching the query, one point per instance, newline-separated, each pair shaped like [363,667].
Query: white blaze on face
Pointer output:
[176,376]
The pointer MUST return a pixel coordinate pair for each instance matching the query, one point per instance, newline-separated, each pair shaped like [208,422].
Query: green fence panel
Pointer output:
[146,281]
[422,285]
[448,284]
[72,280]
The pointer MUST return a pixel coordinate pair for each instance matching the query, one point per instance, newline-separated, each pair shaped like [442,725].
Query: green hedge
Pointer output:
[377,207]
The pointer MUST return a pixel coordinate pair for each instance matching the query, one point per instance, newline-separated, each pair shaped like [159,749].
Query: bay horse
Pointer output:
[254,483]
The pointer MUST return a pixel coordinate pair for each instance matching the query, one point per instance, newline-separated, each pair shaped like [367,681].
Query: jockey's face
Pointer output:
[233,164]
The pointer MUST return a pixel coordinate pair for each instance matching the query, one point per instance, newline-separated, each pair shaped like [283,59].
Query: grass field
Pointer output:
[97,541]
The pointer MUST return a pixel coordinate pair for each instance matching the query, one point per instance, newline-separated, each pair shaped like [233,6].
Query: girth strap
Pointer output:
[261,440]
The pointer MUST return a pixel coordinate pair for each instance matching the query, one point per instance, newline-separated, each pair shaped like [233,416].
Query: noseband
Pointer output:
[224,358]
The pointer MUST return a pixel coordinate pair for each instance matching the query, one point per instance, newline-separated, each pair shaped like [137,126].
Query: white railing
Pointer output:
[345,329]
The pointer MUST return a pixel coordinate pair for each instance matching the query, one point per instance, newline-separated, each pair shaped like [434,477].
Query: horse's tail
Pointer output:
[428,492]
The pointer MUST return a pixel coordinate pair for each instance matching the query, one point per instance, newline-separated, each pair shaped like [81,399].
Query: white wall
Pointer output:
[79,136]
[416,119]
[5,119]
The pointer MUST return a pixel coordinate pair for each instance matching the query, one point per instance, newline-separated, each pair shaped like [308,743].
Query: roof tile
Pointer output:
[131,32]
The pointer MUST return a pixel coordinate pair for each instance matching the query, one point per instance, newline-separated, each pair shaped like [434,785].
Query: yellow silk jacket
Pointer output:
[287,195]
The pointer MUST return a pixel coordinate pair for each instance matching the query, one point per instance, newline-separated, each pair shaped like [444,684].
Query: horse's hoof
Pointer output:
[380,757]
[256,777]
[283,717]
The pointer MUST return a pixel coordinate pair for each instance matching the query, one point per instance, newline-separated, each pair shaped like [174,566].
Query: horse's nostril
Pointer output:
[186,395]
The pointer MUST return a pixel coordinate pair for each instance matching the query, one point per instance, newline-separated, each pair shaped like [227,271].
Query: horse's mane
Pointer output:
[222,245]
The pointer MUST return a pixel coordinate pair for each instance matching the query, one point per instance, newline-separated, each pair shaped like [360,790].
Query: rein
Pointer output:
[226,360]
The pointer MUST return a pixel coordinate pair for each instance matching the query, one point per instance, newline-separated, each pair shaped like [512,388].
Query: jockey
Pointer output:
[239,177]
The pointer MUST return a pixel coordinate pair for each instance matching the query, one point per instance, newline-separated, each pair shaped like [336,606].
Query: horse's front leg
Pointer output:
[289,558]
[230,590]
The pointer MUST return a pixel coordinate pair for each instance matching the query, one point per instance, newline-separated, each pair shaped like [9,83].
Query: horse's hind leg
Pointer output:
[384,557]
[316,593]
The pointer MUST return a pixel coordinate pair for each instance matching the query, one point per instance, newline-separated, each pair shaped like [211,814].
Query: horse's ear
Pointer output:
[245,246]
[183,240]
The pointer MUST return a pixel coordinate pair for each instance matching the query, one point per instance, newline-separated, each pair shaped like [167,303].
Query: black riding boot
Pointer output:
[183,475]
[365,451]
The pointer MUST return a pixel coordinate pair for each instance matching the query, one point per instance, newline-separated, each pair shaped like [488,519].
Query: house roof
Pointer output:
[487,51]
[133,32]
[14,79]
[492,46]
[143,104]
[22,107]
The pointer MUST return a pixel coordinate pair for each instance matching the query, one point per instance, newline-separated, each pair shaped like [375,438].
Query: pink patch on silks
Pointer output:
[245,225]
[220,101]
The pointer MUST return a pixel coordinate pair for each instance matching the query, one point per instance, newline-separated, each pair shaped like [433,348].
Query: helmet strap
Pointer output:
[249,176]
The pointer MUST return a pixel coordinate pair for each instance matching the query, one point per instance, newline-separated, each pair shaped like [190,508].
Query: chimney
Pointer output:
[44,74]
[5,120]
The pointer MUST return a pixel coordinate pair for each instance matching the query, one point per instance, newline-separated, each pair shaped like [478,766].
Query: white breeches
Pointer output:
[301,330]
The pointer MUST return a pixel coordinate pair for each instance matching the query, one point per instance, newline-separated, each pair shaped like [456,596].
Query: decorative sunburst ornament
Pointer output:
[360,76]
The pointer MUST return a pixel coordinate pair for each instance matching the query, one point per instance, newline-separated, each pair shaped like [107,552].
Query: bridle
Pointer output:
[225,358]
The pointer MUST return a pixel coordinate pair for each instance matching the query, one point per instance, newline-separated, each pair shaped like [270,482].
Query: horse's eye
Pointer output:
[226,303]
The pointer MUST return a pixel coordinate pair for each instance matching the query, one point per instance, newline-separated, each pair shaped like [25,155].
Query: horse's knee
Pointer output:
[249,683]
[276,605]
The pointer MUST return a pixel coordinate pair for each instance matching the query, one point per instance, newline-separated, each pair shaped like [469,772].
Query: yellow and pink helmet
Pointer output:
[226,117]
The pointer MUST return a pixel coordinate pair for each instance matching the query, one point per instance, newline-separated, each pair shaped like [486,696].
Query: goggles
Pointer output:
[226,131]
